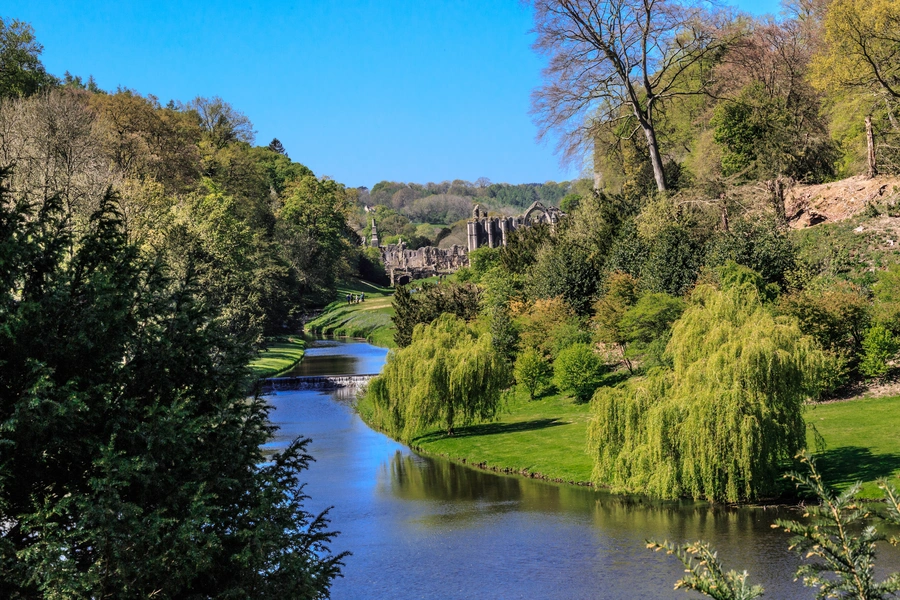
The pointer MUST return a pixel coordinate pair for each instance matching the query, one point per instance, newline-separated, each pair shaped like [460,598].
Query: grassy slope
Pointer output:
[548,438]
[862,442]
[278,357]
[370,319]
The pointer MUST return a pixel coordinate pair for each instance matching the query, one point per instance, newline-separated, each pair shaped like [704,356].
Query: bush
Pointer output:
[532,372]
[578,370]
[879,346]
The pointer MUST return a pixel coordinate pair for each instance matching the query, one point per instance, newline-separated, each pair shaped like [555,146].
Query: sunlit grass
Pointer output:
[370,320]
[862,442]
[549,437]
[278,357]
[546,437]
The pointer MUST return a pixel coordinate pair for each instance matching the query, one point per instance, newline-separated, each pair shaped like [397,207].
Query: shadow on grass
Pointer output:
[849,464]
[614,379]
[493,429]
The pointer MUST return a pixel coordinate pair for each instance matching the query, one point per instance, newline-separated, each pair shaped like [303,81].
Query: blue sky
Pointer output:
[357,90]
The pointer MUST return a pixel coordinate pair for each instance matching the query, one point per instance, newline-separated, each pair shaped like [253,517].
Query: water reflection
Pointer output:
[339,357]
[421,527]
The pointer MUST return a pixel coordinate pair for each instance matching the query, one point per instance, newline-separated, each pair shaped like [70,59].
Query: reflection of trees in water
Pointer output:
[470,493]
[415,477]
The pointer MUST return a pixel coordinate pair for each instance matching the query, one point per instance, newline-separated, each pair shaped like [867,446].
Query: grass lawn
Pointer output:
[548,437]
[545,437]
[862,440]
[278,357]
[370,320]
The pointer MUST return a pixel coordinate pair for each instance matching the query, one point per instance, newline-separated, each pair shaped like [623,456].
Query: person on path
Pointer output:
[362,297]
[348,298]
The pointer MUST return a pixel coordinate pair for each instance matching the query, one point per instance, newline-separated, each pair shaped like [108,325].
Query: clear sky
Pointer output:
[357,90]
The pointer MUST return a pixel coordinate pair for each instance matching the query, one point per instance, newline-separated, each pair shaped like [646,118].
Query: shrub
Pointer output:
[532,372]
[578,370]
[879,346]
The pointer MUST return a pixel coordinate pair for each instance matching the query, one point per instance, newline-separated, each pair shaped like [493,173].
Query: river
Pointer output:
[425,528]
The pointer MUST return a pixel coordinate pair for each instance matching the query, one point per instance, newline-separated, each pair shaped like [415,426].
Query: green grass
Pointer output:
[548,438]
[370,320]
[862,440]
[542,438]
[278,357]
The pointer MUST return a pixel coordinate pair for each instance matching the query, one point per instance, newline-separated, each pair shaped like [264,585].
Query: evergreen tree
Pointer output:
[130,459]
[275,146]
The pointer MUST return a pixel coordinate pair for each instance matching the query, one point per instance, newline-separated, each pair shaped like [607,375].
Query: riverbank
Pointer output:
[547,439]
[279,356]
[369,320]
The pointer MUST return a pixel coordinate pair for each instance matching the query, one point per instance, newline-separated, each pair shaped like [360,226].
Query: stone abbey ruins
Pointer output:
[404,265]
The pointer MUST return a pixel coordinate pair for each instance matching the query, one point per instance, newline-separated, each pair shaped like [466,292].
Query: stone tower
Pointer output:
[374,240]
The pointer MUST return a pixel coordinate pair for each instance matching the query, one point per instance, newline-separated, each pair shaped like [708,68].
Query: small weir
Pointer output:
[431,529]
[316,382]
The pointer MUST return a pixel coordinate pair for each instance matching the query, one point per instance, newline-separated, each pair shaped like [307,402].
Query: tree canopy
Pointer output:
[447,376]
[130,456]
[718,424]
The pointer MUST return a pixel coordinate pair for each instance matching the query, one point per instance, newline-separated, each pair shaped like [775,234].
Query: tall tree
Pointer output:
[863,42]
[130,459]
[276,146]
[447,376]
[861,56]
[221,122]
[719,424]
[615,60]
[21,70]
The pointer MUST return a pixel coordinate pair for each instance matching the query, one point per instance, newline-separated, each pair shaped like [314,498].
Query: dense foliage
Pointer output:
[837,537]
[145,252]
[130,459]
[426,302]
[718,424]
[447,376]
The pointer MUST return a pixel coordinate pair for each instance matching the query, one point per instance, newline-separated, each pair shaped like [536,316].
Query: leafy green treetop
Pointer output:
[130,455]
[21,70]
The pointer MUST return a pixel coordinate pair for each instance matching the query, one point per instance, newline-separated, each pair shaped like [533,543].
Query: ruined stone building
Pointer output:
[404,265]
[492,231]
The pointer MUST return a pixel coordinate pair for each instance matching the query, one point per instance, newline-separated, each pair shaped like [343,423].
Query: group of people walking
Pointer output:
[356,298]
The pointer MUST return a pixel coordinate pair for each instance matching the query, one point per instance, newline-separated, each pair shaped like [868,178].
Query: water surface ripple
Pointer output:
[424,528]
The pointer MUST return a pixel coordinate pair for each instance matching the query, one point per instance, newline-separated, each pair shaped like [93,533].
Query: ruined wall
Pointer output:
[404,265]
[492,232]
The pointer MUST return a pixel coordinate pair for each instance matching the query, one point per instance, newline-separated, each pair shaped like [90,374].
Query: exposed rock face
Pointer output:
[807,205]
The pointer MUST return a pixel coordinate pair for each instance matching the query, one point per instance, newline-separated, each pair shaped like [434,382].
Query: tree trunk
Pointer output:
[723,212]
[870,143]
[776,189]
[655,158]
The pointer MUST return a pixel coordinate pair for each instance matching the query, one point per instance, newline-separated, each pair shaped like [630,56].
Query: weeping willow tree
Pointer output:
[719,424]
[447,376]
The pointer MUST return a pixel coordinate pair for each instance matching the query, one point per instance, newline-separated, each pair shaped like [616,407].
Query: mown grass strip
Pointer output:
[548,438]
[862,442]
[542,438]
[370,320]
[278,357]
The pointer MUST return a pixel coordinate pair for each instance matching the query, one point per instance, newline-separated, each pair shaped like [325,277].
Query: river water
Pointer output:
[424,528]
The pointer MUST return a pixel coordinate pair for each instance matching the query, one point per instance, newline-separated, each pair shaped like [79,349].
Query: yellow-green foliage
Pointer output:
[719,423]
[447,375]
